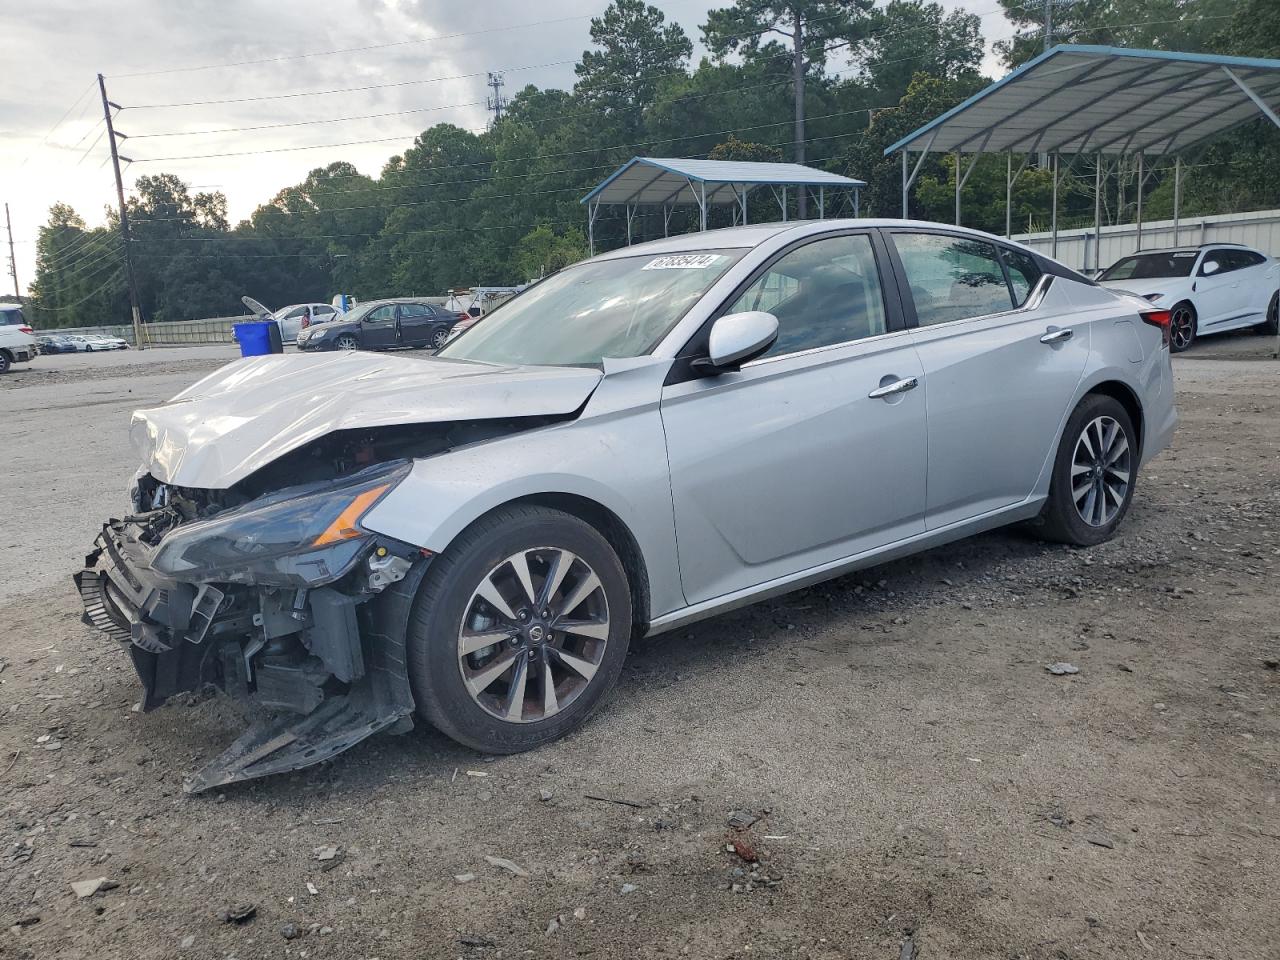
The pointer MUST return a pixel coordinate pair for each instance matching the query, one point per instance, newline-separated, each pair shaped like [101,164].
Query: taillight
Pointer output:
[1159,318]
[25,330]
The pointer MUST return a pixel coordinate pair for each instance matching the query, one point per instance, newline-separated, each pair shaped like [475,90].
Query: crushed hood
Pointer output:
[253,411]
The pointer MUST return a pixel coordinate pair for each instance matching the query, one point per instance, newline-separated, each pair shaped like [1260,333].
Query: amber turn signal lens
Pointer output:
[344,527]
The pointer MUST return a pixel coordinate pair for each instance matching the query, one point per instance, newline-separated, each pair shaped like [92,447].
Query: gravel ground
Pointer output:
[924,787]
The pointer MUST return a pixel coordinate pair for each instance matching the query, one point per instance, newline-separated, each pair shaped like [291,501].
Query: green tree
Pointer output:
[811,29]
[906,34]
[638,51]
[542,251]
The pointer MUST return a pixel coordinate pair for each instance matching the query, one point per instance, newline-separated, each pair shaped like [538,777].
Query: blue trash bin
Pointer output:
[254,337]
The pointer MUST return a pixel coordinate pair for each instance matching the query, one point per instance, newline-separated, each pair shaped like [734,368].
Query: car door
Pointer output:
[378,328]
[1000,368]
[416,324]
[1253,291]
[1217,298]
[813,452]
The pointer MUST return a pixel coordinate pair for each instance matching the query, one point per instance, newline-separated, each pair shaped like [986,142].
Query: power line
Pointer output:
[303,123]
[362,49]
[323,93]
[114,278]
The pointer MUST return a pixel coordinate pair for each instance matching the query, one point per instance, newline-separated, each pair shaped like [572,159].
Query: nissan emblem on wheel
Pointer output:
[640,441]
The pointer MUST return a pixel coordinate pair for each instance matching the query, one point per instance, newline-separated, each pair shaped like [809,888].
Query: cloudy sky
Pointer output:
[161,57]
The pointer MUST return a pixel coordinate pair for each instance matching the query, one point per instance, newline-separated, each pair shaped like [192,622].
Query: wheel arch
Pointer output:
[1123,394]
[611,527]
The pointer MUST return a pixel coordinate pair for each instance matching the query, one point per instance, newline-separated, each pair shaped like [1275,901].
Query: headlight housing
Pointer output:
[299,537]
[316,334]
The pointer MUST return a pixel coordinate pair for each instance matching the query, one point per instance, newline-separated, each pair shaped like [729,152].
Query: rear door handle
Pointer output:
[1057,336]
[899,386]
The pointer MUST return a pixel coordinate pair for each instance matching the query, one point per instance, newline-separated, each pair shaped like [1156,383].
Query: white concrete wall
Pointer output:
[1076,247]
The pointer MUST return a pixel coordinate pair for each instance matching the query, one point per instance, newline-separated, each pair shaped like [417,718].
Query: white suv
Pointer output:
[17,345]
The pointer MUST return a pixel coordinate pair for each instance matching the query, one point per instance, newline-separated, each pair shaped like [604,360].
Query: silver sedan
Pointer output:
[643,440]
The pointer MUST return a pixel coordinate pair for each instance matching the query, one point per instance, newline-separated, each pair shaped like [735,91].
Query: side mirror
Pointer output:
[738,338]
[1210,267]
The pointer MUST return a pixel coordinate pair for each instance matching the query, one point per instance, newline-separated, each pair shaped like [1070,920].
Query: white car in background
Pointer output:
[1207,289]
[294,318]
[17,340]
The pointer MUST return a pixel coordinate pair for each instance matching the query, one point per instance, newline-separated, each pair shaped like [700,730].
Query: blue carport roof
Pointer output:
[1089,99]
[661,179]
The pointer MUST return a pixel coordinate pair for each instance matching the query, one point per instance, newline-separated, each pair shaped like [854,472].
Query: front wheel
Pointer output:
[347,342]
[1182,327]
[519,630]
[1093,474]
[6,361]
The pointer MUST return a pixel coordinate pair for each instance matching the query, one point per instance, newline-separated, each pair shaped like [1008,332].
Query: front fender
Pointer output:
[614,454]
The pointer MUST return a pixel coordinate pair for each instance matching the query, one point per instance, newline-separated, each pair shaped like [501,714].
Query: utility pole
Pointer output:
[797,76]
[124,215]
[497,103]
[13,261]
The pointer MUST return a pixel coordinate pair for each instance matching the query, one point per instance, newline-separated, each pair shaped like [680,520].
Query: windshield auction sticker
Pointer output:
[685,261]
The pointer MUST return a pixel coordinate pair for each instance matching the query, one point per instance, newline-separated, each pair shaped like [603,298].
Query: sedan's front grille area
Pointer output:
[98,609]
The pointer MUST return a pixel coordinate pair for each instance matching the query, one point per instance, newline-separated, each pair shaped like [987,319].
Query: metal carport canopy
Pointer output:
[669,181]
[1111,100]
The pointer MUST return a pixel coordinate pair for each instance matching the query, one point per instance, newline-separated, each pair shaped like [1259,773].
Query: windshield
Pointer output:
[1152,266]
[604,308]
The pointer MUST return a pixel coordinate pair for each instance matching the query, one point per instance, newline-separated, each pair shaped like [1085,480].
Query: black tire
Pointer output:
[1271,326]
[1062,519]
[1182,326]
[446,598]
[438,337]
[6,361]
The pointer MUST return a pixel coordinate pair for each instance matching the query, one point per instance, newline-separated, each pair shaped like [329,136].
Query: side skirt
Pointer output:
[836,568]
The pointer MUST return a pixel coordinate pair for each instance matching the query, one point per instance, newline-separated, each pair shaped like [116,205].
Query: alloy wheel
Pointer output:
[438,338]
[533,634]
[1182,328]
[1100,471]
[346,343]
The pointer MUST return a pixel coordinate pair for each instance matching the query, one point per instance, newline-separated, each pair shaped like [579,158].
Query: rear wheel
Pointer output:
[519,630]
[438,337]
[1182,327]
[1093,474]
[1271,326]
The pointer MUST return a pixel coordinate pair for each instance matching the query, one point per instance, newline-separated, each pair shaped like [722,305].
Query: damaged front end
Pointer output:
[281,599]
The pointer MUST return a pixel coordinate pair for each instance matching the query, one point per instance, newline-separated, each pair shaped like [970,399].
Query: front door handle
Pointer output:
[898,386]
[1057,336]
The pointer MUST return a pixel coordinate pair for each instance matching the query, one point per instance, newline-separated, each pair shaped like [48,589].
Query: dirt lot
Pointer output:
[925,787]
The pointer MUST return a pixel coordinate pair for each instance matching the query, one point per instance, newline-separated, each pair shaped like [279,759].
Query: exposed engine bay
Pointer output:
[271,591]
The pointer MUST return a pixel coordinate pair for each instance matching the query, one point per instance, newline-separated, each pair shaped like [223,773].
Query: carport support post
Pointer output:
[1138,215]
[702,206]
[1177,195]
[904,184]
[822,211]
[957,188]
[1008,197]
[593,206]
[1097,215]
[1053,216]
[631,211]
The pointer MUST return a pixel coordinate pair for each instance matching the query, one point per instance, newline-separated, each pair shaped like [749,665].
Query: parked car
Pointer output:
[294,318]
[90,342]
[17,342]
[383,325]
[55,343]
[474,538]
[1207,289]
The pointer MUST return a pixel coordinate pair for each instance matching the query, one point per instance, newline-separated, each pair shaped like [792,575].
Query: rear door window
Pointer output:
[952,278]
[1024,273]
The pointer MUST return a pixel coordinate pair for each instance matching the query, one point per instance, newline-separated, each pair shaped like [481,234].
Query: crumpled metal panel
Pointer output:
[254,410]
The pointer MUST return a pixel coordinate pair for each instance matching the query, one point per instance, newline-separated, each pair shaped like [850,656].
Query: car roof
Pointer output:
[1223,244]
[755,234]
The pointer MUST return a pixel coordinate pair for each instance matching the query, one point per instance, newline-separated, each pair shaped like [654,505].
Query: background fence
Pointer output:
[1076,248]
[167,333]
